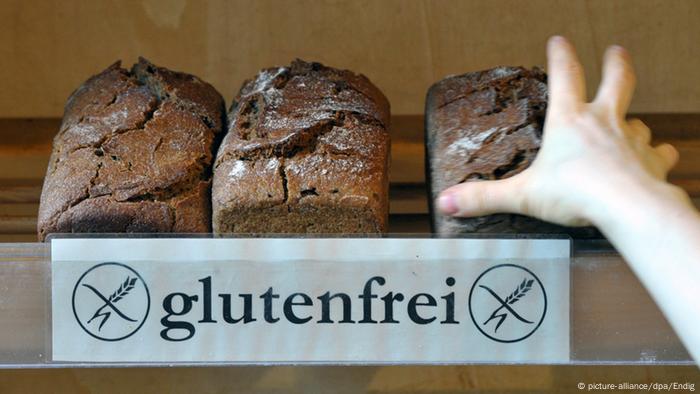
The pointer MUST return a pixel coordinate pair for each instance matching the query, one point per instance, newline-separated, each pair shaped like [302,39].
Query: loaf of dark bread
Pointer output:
[307,151]
[482,126]
[133,154]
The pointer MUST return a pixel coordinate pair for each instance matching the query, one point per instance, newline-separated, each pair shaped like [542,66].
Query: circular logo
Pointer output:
[111,301]
[507,303]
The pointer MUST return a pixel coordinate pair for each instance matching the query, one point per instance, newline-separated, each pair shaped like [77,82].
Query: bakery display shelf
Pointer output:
[26,145]
[612,318]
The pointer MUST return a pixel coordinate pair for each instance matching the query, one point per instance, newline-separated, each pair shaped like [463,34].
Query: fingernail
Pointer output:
[617,47]
[447,204]
[557,38]
[620,49]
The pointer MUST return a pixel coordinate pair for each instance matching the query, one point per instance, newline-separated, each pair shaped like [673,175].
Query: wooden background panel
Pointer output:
[386,40]
[475,35]
[663,37]
[49,47]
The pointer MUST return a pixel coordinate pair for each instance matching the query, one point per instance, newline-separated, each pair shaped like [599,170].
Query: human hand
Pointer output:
[589,155]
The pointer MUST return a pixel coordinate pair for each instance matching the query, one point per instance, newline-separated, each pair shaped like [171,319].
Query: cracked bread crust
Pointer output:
[133,154]
[307,151]
[482,126]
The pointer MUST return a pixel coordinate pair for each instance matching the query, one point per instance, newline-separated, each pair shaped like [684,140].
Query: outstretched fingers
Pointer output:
[567,86]
[616,88]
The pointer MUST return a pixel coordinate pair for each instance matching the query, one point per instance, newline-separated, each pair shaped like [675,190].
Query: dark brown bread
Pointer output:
[307,151]
[133,154]
[482,126]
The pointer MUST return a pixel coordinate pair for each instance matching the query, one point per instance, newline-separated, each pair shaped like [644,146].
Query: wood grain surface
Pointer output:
[50,47]
[341,380]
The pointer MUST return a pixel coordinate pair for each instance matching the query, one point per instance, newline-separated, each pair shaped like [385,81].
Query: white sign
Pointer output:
[310,300]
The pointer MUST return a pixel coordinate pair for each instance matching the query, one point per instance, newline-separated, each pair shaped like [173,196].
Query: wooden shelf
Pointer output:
[26,146]
[613,314]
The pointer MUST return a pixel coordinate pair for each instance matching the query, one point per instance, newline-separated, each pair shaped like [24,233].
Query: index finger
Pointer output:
[567,85]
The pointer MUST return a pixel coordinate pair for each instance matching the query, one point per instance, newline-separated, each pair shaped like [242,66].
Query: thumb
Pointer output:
[482,197]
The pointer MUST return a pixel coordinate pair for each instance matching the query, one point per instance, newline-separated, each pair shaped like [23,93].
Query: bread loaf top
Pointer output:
[283,110]
[485,125]
[142,135]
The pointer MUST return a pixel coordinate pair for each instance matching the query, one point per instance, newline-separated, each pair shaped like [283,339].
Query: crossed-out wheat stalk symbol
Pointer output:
[506,303]
[109,302]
